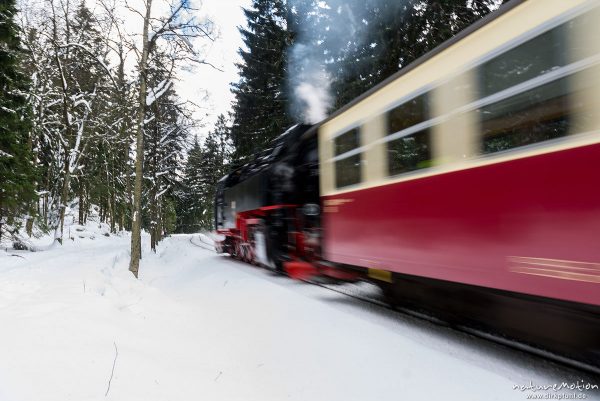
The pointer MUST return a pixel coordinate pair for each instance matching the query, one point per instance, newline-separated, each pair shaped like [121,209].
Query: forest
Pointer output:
[90,117]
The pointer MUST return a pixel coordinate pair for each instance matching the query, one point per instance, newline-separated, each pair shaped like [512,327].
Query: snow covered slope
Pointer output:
[198,326]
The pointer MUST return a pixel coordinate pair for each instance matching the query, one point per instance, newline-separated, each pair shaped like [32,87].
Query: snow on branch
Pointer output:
[96,58]
[4,154]
[158,92]
[7,110]
[83,102]
[161,193]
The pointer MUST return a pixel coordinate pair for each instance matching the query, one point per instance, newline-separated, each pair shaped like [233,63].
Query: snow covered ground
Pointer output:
[199,326]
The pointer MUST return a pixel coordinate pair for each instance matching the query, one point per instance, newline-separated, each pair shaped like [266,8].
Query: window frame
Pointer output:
[570,69]
[427,124]
[358,150]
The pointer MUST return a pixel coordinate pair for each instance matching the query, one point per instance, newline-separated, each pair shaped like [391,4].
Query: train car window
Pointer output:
[347,169]
[408,114]
[538,56]
[533,116]
[347,141]
[535,57]
[548,111]
[409,153]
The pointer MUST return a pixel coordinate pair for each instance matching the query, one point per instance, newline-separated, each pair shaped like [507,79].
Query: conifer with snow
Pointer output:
[17,182]
[260,109]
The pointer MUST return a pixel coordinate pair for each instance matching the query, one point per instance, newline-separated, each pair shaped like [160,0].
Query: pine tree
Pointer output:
[260,109]
[206,165]
[214,165]
[16,169]
[165,136]
[191,199]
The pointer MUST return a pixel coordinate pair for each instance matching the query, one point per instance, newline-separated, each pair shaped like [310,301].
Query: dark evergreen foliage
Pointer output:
[17,182]
[167,127]
[206,164]
[260,109]
[191,197]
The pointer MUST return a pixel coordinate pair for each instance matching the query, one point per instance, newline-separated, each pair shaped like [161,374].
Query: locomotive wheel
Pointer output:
[236,251]
[245,253]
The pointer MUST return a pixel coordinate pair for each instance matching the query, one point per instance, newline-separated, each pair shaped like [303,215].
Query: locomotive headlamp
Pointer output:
[311,209]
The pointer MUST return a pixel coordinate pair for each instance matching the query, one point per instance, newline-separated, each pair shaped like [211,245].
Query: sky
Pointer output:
[227,15]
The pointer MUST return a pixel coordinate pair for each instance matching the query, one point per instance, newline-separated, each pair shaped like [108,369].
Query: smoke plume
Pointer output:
[311,85]
[308,79]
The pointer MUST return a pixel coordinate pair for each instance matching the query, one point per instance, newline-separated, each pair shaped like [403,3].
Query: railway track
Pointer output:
[203,243]
[375,298]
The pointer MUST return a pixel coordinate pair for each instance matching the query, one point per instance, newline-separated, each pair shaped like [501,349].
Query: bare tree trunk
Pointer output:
[33,206]
[159,228]
[29,224]
[45,210]
[153,239]
[129,225]
[112,200]
[63,197]
[113,218]
[81,204]
[136,239]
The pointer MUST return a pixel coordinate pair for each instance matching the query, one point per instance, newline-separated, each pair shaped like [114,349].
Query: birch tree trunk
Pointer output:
[136,229]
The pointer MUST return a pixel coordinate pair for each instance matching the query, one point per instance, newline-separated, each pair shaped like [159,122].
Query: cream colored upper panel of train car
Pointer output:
[457,58]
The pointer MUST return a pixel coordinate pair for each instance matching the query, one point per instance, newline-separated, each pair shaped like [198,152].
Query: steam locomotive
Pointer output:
[466,185]
[260,204]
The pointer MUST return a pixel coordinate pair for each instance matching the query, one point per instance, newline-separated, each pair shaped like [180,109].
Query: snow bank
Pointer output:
[198,326]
